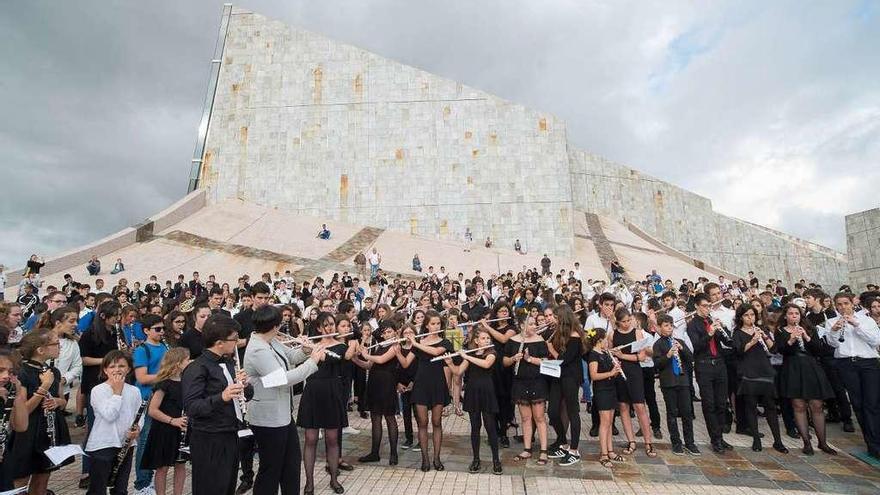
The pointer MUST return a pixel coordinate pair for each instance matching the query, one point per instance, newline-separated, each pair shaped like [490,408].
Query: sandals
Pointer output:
[524,455]
[605,460]
[542,458]
[615,457]
[649,450]
[630,448]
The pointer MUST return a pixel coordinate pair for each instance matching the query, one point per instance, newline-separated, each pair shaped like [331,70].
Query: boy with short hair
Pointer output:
[671,358]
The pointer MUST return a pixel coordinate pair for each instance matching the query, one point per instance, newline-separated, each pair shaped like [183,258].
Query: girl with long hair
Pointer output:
[631,392]
[501,331]
[381,397]
[604,374]
[169,423]
[568,341]
[529,390]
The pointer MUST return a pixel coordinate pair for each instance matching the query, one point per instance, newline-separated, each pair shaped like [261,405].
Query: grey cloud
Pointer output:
[102,99]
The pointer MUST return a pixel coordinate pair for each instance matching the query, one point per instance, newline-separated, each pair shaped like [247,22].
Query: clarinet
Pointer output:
[120,339]
[183,447]
[7,416]
[763,344]
[616,363]
[800,342]
[126,446]
[675,355]
[50,416]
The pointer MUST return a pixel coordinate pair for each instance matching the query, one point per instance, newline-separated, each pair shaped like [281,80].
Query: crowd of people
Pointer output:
[207,373]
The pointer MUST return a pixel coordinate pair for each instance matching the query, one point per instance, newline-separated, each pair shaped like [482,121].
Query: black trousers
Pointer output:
[862,380]
[99,471]
[840,403]
[712,379]
[407,413]
[651,397]
[214,458]
[679,405]
[246,449]
[735,408]
[564,393]
[360,388]
[281,464]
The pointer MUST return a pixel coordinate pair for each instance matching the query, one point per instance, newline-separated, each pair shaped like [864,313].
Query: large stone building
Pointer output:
[314,126]
[863,247]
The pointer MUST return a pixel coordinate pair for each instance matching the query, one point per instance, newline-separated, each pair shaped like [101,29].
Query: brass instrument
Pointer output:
[7,417]
[126,446]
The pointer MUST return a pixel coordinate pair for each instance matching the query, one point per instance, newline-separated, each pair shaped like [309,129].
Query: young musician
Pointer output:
[212,394]
[406,372]
[604,374]
[13,398]
[430,391]
[46,425]
[455,334]
[323,404]
[569,342]
[115,405]
[711,370]
[69,362]
[855,338]
[803,380]
[147,359]
[270,413]
[672,356]
[480,399]
[757,383]
[381,398]
[501,331]
[167,433]
[529,391]
[631,391]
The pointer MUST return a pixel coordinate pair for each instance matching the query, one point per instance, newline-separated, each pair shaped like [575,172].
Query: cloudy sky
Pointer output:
[771,109]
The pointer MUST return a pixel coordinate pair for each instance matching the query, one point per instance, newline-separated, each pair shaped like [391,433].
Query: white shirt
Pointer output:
[680,327]
[577,275]
[69,363]
[725,316]
[649,361]
[374,258]
[859,341]
[114,415]
[2,282]
[594,320]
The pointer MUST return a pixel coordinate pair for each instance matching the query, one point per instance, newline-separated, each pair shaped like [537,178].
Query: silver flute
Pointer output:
[616,363]
[242,402]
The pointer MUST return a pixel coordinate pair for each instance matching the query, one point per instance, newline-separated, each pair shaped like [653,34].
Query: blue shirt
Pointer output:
[135,330]
[85,322]
[148,356]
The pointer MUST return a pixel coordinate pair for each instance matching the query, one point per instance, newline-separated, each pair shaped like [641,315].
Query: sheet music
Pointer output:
[277,378]
[61,453]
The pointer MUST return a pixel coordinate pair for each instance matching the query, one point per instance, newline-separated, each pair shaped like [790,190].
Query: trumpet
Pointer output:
[453,354]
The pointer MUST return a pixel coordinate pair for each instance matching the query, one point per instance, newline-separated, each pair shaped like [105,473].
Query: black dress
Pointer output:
[429,385]
[382,386]
[323,399]
[528,387]
[631,390]
[479,391]
[26,455]
[604,391]
[758,377]
[801,376]
[163,441]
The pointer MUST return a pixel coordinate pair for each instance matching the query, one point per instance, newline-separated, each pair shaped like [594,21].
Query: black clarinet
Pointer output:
[7,417]
[126,446]
[183,447]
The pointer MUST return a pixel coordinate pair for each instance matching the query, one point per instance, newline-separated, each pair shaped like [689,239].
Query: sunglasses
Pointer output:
[158,329]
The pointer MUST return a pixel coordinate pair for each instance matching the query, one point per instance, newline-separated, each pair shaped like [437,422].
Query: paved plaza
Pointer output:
[739,472]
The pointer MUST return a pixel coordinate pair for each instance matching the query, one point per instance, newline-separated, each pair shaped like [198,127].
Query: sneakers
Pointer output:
[350,430]
[556,453]
[406,445]
[570,458]
[677,449]
[692,450]
[417,447]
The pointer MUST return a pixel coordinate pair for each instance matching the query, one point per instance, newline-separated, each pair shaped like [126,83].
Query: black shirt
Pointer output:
[193,340]
[245,319]
[34,266]
[203,383]
[475,311]
[696,330]
[90,346]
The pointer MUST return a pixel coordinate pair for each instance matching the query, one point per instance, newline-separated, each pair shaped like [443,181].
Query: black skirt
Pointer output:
[161,449]
[479,391]
[382,392]
[757,387]
[529,390]
[322,404]
[605,399]
[631,390]
[802,377]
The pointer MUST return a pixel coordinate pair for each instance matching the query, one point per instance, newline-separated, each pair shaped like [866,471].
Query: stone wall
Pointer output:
[317,127]
[863,248]
[685,221]
[325,129]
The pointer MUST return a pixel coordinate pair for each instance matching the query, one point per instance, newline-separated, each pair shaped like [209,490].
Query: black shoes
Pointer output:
[824,447]
[778,447]
[756,445]
[848,427]
[392,459]
[438,466]
[475,466]
[658,433]
[244,487]
[725,445]
[594,431]
[692,449]
[497,468]
[677,449]
[504,442]
[371,457]
[717,448]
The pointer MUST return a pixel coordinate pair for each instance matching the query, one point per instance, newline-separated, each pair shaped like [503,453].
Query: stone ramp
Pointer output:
[357,243]
[603,246]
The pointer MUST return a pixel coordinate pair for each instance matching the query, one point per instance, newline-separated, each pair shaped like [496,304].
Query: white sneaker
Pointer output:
[350,430]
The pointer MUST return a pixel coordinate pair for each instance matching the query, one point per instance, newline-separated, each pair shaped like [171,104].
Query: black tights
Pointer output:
[750,403]
[391,423]
[436,429]
[803,425]
[565,395]
[331,444]
[488,420]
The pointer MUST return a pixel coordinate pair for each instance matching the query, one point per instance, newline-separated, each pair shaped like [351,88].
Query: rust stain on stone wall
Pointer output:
[343,190]
[413,226]
[446,112]
[206,165]
[317,85]
[658,199]
[444,227]
[468,134]
[359,86]
[493,138]
[243,135]
[425,89]
[236,87]
[398,154]
[470,181]
[542,124]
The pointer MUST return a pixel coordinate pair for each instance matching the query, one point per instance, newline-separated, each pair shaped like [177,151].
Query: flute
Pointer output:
[616,363]
[522,344]
[242,402]
[386,343]
[451,355]
[690,315]
[474,323]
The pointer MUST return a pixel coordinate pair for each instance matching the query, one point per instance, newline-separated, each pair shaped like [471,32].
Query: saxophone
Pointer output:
[126,446]
[7,416]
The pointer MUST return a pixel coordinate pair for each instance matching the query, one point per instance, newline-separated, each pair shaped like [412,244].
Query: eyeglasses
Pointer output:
[158,329]
[179,321]
[234,339]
